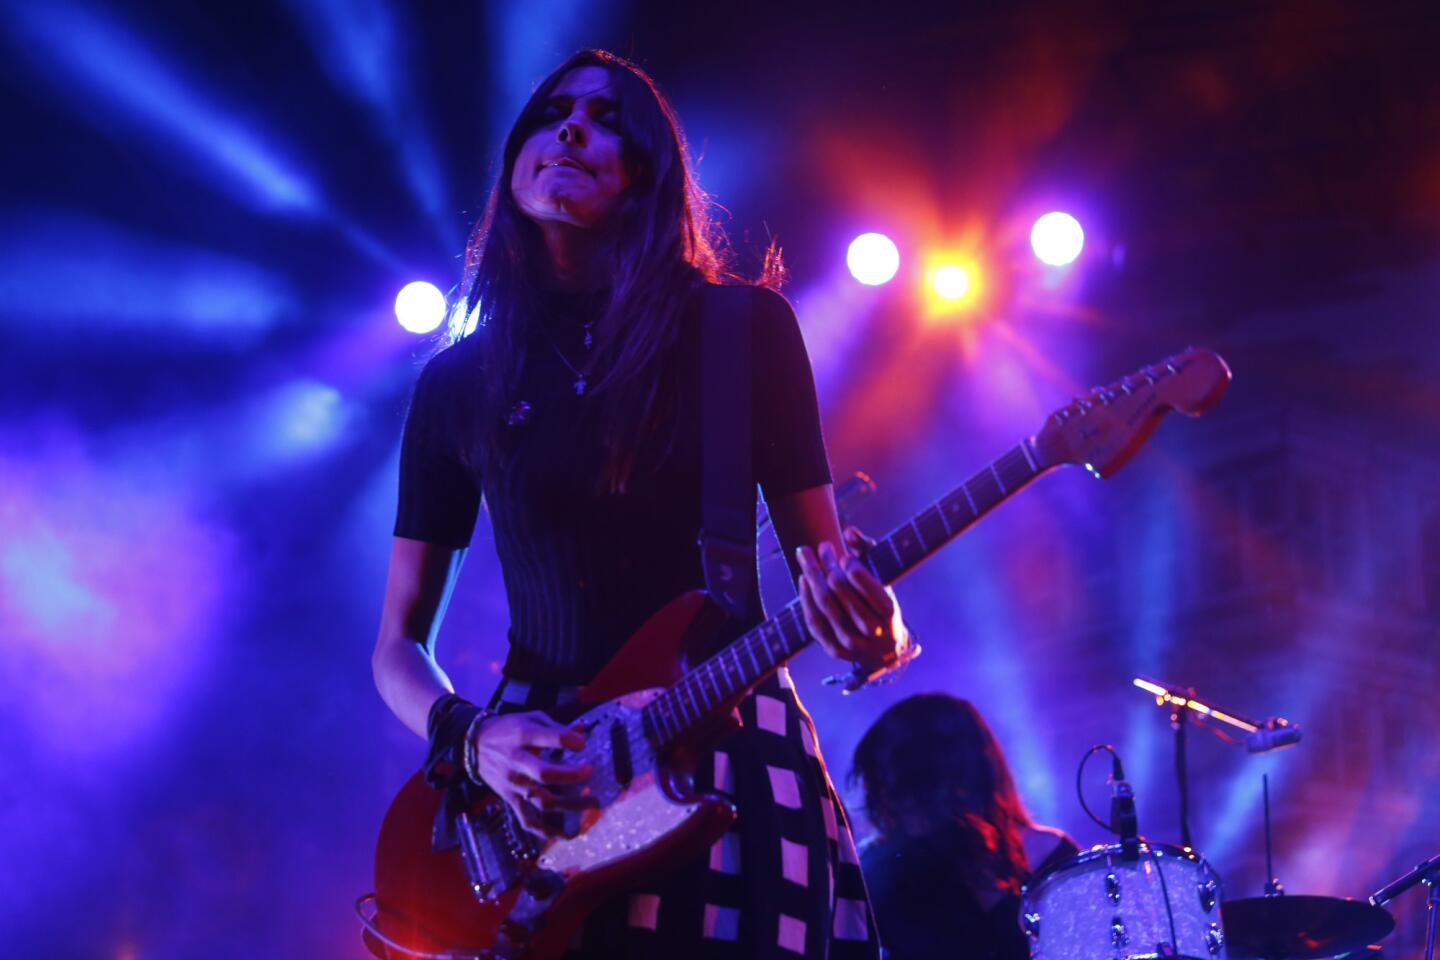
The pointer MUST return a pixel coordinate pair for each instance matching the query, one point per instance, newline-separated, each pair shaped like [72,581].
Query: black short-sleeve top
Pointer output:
[584,569]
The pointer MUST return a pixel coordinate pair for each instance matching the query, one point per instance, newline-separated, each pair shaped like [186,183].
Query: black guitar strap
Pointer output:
[727,532]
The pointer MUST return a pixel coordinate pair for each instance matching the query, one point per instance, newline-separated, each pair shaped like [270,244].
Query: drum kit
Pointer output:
[1136,900]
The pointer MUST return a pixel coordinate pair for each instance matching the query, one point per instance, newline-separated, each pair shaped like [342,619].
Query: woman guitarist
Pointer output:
[571,409]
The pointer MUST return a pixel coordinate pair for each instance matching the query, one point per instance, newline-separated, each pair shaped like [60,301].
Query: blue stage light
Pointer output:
[364,49]
[420,307]
[873,259]
[96,57]
[1057,239]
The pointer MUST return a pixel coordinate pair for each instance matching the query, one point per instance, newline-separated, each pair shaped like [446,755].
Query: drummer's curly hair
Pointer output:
[930,762]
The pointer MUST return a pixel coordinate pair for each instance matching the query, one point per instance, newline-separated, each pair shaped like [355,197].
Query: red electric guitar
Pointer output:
[504,893]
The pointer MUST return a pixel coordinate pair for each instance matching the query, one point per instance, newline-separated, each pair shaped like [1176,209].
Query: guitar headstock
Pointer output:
[1103,429]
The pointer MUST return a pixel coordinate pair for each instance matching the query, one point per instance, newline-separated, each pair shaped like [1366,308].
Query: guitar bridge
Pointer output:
[493,868]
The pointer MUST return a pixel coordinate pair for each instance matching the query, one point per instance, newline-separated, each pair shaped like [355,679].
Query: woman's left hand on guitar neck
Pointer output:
[847,610]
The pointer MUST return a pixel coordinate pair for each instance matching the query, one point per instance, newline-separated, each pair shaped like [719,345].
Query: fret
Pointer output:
[1014,471]
[933,528]
[719,691]
[741,681]
[886,569]
[998,482]
[659,714]
[792,630]
[895,552]
[698,698]
[1029,457]
[939,511]
[762,646]
[965,489]
[980,487]
[749,645]
[906,547]
[778,651]
[951,508]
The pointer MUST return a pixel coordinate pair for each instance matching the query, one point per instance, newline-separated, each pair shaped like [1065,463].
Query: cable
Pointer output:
[1165,892]
[1079,782]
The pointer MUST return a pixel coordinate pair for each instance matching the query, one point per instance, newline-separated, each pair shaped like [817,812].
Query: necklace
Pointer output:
[581,382]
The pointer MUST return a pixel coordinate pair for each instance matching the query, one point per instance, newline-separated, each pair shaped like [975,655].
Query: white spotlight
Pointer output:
[420,307]
[873,258]
[1057,239]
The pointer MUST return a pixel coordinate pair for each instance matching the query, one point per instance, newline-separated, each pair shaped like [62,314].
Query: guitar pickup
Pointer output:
[620,757]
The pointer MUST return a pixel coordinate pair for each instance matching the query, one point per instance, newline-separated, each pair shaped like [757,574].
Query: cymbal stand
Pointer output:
[1272,882]
[1427,873]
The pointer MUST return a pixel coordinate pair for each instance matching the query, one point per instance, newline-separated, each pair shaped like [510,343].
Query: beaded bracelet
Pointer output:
[471,760]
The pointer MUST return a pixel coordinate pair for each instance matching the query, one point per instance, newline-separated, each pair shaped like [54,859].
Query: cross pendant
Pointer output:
[580,386]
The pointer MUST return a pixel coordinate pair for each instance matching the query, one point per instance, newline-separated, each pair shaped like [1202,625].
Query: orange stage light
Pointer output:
[953,286]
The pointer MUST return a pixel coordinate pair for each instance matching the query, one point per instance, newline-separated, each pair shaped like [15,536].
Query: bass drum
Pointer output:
[1099,906]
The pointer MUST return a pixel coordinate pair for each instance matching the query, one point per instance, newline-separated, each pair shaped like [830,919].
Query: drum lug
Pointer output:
[1208,895]
[1118,936]
[1112,888]
[1214,939]
[1031,923]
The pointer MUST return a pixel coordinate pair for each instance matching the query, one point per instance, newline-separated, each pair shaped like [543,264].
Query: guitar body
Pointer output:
[650,820]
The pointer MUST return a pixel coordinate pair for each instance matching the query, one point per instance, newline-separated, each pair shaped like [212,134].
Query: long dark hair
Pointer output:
[930,763]
[665,245]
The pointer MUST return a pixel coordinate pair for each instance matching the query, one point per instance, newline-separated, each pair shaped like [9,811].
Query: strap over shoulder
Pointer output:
[727,533]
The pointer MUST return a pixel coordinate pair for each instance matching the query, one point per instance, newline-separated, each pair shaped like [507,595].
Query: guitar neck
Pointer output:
[729,674]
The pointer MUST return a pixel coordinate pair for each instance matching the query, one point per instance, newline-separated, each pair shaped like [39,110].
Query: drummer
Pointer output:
[954,841]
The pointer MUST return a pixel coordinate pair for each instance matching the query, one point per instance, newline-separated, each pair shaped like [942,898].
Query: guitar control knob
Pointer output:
[1031,923]
[1112,888]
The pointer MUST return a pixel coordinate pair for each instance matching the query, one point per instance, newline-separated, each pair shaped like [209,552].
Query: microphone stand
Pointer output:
[1182,773]
[1182,703]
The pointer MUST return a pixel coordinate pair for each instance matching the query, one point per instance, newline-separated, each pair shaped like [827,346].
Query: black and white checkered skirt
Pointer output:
[785,881]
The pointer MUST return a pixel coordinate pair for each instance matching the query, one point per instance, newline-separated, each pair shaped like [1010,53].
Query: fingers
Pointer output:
[857,541]
[547,800]
[870,587]
[825,617]
[535,770]
[845,596]
[870,590]
[541,733]
[816,622]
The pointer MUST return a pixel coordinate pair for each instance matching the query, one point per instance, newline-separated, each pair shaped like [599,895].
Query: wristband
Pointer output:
[445,727]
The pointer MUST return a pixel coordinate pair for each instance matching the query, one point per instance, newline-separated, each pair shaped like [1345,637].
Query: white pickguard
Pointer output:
[632,817]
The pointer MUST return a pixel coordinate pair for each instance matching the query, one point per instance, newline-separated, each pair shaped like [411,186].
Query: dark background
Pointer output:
[208,210]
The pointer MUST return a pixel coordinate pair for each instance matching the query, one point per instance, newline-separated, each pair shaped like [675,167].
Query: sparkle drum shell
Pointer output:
[1097,906]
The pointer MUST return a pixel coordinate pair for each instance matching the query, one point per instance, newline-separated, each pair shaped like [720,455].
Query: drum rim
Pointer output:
[1104,851]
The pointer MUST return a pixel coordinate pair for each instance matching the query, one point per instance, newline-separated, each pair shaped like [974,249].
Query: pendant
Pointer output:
[589,340]
[519,414]
[580,386]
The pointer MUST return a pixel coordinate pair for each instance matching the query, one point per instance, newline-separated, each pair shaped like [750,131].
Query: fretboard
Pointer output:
[736,669]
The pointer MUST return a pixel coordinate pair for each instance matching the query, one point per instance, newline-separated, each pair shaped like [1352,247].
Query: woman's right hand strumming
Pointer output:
[518,756]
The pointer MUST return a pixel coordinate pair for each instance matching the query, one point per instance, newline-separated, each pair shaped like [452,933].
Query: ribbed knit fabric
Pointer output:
[583,570]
